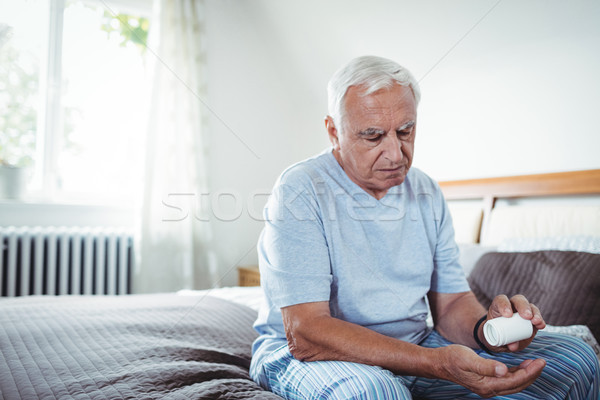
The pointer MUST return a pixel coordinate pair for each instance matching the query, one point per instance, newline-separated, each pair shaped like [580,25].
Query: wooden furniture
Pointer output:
[248,276]
[586,182]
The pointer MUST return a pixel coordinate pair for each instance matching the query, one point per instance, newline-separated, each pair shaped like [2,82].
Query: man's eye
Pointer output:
[403,133]
[374,139]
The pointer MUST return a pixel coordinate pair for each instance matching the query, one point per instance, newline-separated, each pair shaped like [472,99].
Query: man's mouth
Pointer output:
[392,170]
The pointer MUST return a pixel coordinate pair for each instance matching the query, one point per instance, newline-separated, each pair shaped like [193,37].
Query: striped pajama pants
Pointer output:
[572,372]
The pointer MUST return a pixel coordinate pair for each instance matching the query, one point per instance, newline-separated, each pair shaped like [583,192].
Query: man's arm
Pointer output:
[313,334]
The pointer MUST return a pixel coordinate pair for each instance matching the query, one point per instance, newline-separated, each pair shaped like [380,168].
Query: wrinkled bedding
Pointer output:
[126,347]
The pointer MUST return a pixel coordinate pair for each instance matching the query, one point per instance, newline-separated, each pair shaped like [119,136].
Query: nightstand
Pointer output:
[248,276]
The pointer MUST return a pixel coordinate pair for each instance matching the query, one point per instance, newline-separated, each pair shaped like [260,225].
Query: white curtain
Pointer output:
[173,245]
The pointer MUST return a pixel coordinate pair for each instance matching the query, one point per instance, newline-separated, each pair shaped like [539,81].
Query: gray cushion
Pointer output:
[565,285]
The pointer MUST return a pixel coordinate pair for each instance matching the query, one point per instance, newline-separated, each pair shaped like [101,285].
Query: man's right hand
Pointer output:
[485,377]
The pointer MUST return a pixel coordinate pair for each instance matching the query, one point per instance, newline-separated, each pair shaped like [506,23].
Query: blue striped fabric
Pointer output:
[572,372]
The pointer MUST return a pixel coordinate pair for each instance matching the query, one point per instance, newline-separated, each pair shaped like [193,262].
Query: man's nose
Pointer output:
[393,149]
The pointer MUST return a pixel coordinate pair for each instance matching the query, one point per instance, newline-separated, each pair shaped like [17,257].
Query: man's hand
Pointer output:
[487,378]
[502,306]
[455,315]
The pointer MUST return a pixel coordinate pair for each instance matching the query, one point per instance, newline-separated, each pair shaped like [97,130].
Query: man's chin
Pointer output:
[394,178]
[396,181]
[389,182]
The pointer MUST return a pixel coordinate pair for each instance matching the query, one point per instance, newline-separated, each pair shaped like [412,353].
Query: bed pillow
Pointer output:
[565,285]
[469,254]
[585,243]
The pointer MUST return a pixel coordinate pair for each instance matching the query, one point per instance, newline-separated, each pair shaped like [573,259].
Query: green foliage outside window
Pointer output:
[131,29]
[18,102]
[19,88]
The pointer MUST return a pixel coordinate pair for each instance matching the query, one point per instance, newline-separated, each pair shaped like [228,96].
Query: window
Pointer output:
[73,93]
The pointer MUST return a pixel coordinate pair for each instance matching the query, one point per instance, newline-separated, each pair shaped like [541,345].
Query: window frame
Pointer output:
[44,185]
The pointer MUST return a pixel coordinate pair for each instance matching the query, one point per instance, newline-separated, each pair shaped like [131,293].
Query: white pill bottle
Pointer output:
[502,331]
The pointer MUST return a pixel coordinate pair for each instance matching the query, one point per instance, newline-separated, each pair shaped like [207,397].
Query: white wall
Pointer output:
[508,87]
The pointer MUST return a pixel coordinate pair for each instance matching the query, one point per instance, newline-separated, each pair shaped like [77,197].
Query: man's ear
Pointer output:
[332,132]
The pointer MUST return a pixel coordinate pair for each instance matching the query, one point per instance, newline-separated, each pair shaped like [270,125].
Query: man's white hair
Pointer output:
[371,72]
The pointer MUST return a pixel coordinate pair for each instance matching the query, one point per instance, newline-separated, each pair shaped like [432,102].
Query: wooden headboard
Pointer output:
[489,190]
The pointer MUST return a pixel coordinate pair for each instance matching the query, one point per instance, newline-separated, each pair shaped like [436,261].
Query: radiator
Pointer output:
[61,260]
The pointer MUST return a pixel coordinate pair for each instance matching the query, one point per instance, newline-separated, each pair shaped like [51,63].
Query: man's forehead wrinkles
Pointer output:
[383,108]
[384,117]
[375,101]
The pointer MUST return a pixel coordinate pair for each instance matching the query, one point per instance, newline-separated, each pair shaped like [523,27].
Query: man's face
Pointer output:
[376,141]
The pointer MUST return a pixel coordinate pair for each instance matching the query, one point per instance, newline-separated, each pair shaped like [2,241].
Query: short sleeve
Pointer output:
[293,253]
[448,275]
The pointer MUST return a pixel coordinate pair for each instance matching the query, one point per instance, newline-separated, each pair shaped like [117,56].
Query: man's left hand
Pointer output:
[502,306]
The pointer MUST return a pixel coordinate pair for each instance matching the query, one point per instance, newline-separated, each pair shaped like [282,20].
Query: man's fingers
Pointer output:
[513,346]
[522,306]
[540,363]
[501,307]
[537,320]
[525,363]
[535,366]
[518,378]
[491,368]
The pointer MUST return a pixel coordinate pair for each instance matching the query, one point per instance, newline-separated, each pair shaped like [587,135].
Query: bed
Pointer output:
[196,344]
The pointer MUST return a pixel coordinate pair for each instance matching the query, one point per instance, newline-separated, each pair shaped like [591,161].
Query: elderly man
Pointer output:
[358,247]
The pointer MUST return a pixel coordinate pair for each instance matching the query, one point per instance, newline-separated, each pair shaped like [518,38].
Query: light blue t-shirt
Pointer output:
[374,261]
